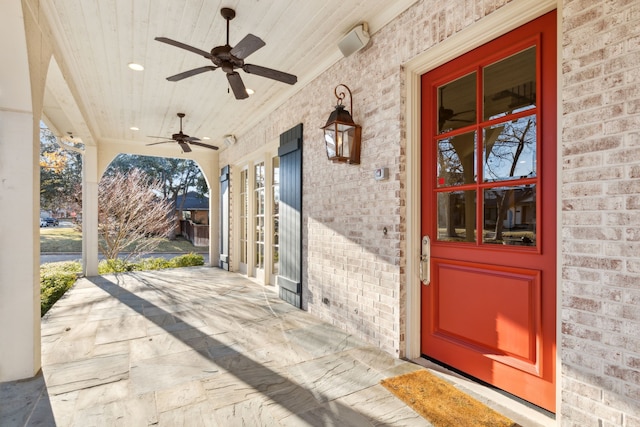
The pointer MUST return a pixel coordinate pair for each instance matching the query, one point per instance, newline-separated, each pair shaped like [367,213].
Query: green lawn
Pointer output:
[69,240]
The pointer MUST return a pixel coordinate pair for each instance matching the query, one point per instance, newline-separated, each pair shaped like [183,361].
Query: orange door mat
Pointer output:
[441,403]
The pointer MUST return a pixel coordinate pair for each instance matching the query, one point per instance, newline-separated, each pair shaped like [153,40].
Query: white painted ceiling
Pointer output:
[92,94]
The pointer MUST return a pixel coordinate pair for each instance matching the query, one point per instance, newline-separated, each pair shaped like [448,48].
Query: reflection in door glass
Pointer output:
[510,85]
[457,216]
[510,215]
[510,150]
[457,104]
[457,160]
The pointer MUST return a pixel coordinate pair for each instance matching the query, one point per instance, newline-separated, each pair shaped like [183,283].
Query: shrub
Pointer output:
[55,279]
[153,264]
[107,266]
[187,260]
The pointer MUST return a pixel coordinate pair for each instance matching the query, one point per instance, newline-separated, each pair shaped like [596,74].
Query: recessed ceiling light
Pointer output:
[206,138]
[134,128]
[250,91]
[135,67]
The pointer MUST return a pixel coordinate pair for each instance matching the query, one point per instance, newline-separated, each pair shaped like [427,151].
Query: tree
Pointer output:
[132,215]
[177,176]
[60,175]
[516,138]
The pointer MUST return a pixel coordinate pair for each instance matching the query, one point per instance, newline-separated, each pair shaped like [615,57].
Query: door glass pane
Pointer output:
[457,216]
[259,200]
[259,173]
[259,236]
[259,256]
[244,206]
[510,215]
[457,160]
[510,85]
[510,150]
[457,103]
[243,240]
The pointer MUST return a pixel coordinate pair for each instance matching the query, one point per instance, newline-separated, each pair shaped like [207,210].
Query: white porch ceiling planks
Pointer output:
[94,40]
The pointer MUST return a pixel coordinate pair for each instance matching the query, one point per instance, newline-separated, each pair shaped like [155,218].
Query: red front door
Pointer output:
[489,212]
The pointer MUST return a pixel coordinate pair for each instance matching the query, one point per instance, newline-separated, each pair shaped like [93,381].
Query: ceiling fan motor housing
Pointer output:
[221,57]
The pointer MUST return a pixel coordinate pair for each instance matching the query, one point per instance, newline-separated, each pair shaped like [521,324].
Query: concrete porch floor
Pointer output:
[201,346]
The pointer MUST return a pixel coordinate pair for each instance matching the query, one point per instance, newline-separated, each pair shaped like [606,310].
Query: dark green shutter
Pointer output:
[224,218]
[290,238]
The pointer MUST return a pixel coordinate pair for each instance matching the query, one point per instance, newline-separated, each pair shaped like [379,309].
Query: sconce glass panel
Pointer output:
[330,139]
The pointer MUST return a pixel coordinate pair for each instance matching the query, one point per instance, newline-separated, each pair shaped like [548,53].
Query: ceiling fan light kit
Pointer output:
[229,140]
[230,59]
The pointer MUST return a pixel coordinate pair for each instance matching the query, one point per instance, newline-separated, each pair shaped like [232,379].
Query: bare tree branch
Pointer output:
[131,215]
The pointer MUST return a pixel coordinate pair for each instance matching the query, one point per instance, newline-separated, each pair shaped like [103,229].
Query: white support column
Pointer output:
[90,179]
[20,104]
[19,247]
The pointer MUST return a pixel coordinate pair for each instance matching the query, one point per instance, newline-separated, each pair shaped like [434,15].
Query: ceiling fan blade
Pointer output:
[237,86]
[150,136]
[463,112]
[270,74]
[190,73]
[200,144]
[247,46]
[192,139]
[161,142]
[185,147]
[184,46]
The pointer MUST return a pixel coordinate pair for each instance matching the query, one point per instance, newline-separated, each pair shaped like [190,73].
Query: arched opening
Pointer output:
[179,181]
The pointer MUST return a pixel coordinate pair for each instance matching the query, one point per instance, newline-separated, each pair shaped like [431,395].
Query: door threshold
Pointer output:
[520,411]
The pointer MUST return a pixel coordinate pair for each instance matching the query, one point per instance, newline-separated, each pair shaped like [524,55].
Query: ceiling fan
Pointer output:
[447,114]
[231,58]
[183,140]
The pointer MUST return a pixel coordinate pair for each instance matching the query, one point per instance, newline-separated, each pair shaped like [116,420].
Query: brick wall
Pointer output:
[600,340]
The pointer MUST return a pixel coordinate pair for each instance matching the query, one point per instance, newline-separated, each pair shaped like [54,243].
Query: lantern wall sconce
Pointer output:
[342,136]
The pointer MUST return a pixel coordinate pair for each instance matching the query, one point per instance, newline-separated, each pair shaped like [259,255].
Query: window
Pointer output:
[258,203]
